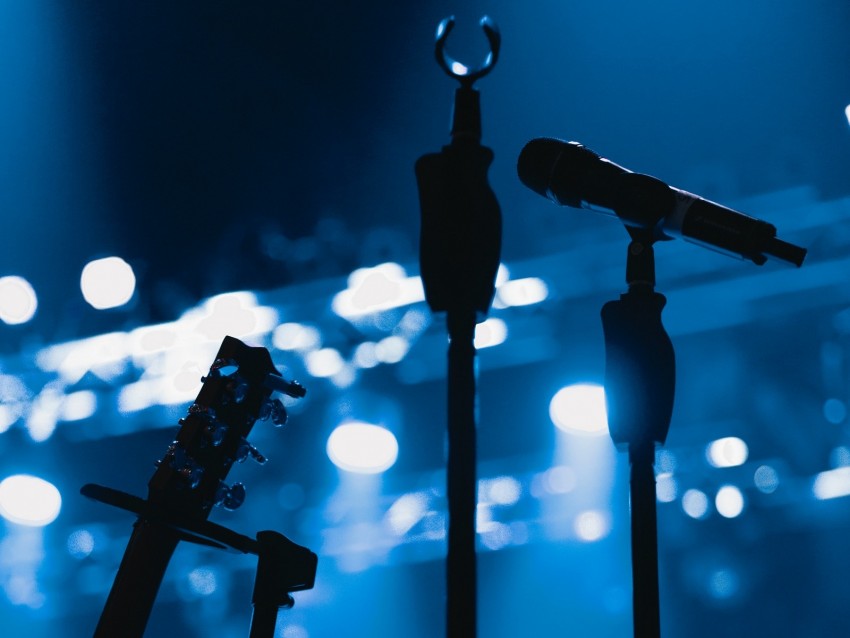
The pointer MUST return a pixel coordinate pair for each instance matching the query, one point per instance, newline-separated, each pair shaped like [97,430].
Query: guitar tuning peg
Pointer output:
[277,383]
[230,497]
[239,390]
[273,409]
[245,450]
[181,463]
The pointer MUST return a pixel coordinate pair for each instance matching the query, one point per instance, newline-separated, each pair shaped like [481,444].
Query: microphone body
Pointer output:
[572,175]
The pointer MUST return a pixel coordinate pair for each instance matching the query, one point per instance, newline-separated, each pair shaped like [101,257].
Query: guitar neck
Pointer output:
[134,590]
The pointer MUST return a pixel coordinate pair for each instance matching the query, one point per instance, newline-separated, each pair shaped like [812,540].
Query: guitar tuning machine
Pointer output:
[277,383]
[229,497]
[179,460]
[245,450]
[273,409]
[214,429]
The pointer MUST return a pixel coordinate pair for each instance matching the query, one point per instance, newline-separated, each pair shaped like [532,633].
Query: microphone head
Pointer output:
[564,172]
[537,162]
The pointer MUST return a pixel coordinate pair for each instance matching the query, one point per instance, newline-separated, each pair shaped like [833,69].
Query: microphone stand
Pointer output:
[459,256]
[639,385]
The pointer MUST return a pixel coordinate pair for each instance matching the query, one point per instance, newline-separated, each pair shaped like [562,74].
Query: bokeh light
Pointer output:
[695,503]
[29,500]
[108,283]
[18,301]
[362,448]
[729,501]
[580,408]
[727,452]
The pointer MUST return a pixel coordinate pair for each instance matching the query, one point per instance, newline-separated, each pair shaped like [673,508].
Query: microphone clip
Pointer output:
[466,112]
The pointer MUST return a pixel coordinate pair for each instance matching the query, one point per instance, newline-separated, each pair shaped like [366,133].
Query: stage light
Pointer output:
[44,414]
[560,479]
[137,396]
[832,484]
[496,536]
[18,302]
[391,349]
[834,411]
[78,406]
[108,283]
[695,504]
[502,490]
[580,408]
[592,526]
[729,501]
[383,287]
[237,314]
[724,584]
[766,479]
[847,113]
[365,355]
[29,500]
[727,452]
[80,543]
[296,336]
[523,292]
[203,581]
[666,488]
[490,333]
[14,400]
[406,512]
[324,363]
[105,355]
[362,448]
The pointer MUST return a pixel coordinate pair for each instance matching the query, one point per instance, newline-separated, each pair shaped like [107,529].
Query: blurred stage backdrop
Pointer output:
[251,169]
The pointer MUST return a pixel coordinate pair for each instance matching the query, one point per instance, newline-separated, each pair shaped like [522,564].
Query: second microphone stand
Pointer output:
[459,256]
[640,376]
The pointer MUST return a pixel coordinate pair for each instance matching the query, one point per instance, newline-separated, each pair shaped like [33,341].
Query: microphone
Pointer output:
[572,175]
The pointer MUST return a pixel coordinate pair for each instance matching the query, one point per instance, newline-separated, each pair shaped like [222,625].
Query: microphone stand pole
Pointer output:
[639,385]
[459,256]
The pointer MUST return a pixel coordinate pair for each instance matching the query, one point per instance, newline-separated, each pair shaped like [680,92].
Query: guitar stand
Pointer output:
[282,566]
[639,386]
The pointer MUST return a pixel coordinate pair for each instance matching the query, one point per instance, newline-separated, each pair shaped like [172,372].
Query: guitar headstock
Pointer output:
[214,434]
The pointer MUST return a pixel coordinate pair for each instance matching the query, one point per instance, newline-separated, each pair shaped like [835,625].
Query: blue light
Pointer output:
[203,581]
[847,113]
[695,504]
[766,479]
[362,448]
[724,584]
[29,500]
[406,512]
[580,408]
[80,543]
[834,410]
